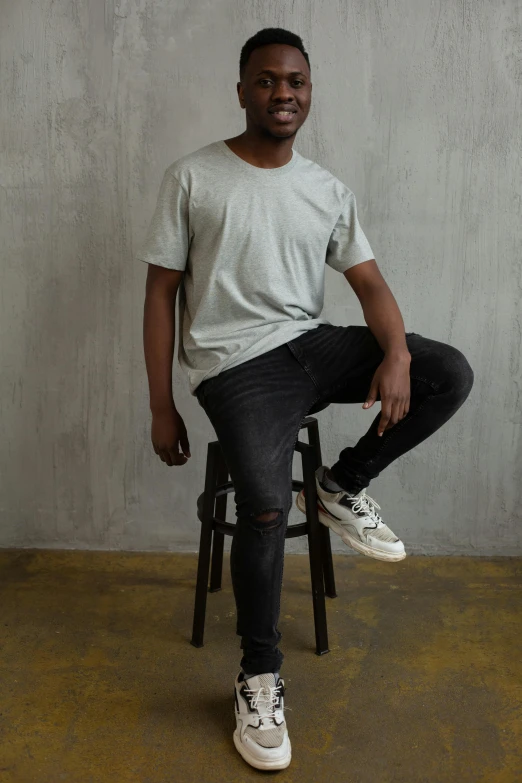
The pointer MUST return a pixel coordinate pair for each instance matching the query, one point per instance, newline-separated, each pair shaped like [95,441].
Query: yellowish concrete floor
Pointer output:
[99,681]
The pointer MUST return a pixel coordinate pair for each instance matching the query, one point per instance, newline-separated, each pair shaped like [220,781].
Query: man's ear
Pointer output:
[239,87]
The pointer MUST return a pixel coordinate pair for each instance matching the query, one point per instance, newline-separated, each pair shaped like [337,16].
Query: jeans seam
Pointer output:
[316,399]
[434,386]
[303,364]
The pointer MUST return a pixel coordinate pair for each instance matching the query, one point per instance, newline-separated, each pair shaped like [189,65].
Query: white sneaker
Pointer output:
[261,736]
[356,520]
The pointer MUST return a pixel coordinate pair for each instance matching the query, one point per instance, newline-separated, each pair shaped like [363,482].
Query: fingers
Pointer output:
[171,457]
[169,439]
[167,458]
[372,394]
[386,412]
[392,412]
[404,408]
[395,416]
[176,458]
[185,445]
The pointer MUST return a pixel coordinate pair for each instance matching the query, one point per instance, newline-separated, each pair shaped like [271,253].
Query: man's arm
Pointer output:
[381,312]
[168,429]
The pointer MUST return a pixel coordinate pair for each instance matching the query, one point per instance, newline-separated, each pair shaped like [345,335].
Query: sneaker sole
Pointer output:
[257,763]
[363,549]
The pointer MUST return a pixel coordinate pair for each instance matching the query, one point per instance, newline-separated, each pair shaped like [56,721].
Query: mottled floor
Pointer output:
[99,681]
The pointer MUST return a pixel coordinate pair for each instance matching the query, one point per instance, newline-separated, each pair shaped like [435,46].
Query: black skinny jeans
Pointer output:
[256,410]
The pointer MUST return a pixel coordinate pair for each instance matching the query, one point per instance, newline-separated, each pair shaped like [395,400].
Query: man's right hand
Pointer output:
[169,435]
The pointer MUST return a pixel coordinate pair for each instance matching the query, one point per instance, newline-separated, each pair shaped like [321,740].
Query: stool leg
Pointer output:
[216,569]
[314,550]
[314,440]
[205,543]
[326,546]
[328,569]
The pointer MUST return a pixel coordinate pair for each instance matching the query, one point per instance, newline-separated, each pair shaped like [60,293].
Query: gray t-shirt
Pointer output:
[253,244]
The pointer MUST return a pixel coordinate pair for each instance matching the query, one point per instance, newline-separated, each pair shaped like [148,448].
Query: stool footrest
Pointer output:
[227,488]
[292,531]
[223,527]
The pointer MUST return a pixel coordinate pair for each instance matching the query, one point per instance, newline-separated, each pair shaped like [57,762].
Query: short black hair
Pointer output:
[270,35]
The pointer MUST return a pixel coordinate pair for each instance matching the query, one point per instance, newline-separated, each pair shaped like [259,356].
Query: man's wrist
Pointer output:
[158,409]
[398,354]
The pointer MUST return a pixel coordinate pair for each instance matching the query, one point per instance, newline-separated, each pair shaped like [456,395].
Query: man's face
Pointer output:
[276,77]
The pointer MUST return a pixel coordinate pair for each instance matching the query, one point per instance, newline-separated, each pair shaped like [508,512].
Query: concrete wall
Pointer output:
[417,107]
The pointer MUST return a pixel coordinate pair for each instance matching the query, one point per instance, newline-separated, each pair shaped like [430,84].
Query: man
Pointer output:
[245,225]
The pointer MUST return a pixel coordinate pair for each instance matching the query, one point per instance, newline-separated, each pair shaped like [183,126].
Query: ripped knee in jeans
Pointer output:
[270,519]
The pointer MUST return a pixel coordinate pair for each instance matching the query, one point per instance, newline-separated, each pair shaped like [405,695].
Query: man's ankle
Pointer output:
[329,482]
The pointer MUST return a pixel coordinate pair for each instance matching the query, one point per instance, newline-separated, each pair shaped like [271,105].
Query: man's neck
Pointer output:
[263,152]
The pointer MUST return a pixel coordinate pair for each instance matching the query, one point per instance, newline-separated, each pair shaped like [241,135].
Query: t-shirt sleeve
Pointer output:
[167,240]
[348,245]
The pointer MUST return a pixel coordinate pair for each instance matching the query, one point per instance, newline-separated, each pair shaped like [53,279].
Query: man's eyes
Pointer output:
[298,81]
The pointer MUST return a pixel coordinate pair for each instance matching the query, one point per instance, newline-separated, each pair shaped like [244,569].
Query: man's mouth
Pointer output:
[283,115]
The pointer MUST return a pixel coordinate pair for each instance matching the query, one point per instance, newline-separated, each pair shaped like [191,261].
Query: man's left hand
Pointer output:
[392,382]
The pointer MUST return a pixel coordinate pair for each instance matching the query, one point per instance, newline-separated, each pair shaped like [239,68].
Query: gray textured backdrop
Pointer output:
[416,107]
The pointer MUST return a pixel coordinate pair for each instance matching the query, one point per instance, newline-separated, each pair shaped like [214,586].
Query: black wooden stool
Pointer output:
[212,504]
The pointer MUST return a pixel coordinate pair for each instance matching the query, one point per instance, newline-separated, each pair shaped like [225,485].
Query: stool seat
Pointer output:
[211,511]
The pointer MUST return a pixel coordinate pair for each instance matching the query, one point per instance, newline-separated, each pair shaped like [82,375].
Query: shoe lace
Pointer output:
[364,504]
[368,506]
[268,696]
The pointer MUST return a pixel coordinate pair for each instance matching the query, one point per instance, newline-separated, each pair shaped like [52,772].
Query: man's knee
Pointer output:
[268,516]
[264,519]
[264,510]
[459,373]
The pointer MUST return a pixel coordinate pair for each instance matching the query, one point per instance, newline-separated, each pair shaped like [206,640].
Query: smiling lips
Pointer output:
[282,115]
